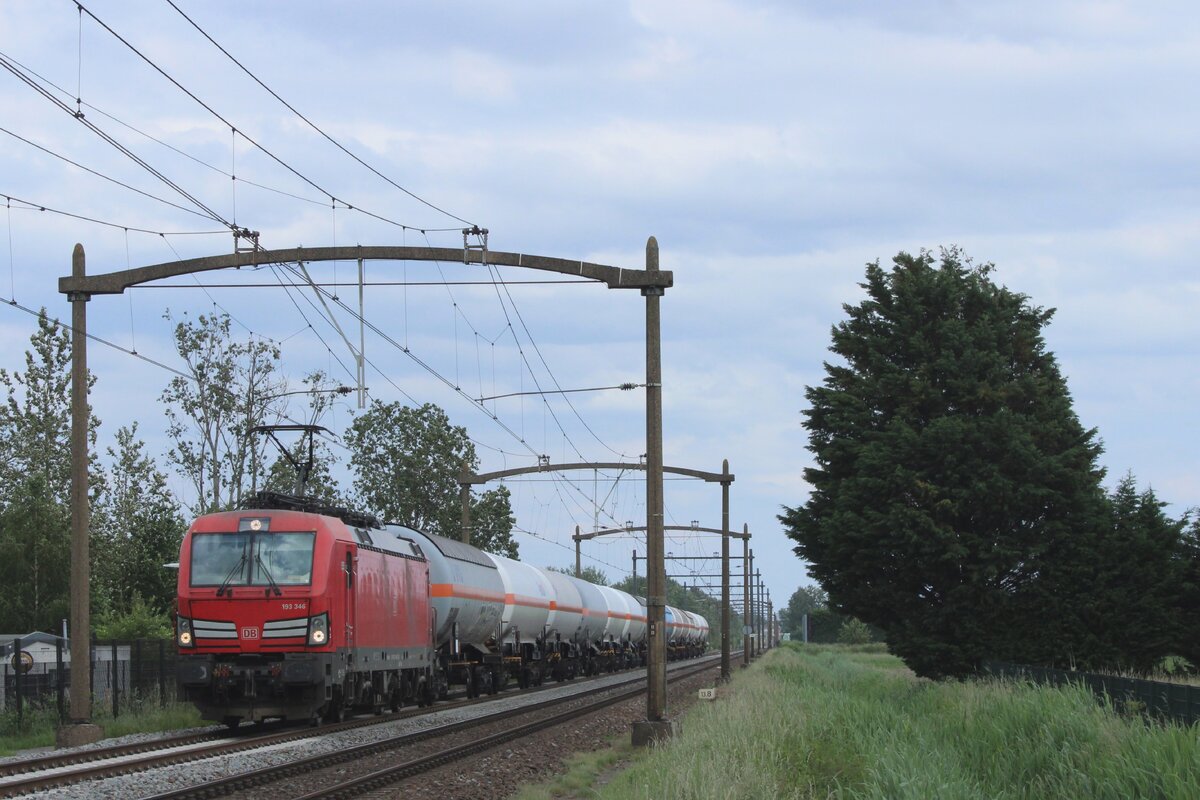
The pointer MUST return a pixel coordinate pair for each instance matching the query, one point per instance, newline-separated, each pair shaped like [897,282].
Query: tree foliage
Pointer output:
[138,529]
[1135,615]
[804,600]
[230,388]
[321,484]
[589,573]
[955,495]
[406,464]
[35,483]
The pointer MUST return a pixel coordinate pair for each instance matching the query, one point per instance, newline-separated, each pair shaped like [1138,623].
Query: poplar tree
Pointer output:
[955,497]
[230,388]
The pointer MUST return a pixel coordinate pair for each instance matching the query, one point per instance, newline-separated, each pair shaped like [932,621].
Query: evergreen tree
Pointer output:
[956,500]
[1136,591]
[406,464]
[1187,598]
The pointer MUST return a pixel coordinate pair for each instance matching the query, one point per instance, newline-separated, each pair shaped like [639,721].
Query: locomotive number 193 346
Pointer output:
[293,606]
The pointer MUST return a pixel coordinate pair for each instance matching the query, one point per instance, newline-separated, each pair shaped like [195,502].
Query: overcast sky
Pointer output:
[772,149]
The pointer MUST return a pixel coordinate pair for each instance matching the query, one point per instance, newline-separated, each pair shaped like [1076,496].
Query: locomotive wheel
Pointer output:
[336,711]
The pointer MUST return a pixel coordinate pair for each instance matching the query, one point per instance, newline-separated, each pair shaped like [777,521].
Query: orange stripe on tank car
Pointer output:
[523,600]
[463,593]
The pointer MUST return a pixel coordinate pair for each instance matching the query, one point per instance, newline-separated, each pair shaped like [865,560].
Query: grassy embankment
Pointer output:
[38,726]
[821,722]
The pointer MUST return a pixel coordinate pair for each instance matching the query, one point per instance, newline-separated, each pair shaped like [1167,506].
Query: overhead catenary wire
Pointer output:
[101,175]
[235,132]
[30,205]
[312,124]
[201,162]
[246,137]
[20,74]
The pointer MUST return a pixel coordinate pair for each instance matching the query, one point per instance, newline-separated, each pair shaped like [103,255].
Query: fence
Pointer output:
[125,675]
[1175,701]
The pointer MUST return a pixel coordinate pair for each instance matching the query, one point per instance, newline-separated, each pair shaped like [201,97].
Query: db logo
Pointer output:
[249,633]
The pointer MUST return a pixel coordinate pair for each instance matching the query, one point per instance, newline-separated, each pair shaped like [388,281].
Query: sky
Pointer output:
[773,149]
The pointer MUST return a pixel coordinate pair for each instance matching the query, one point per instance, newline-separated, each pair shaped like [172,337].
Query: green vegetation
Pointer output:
[406,464]
[38,726]
[955,492]
[851,722]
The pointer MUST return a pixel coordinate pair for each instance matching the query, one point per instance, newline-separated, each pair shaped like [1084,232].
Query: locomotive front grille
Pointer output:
[208,629]
[285,628]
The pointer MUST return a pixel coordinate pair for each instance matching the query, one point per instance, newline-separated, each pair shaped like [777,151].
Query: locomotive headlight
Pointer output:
[184,635]
[318,629]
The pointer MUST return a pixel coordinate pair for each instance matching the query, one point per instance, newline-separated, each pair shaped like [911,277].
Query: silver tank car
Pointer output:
[529,599]
[465,587]
[480,592]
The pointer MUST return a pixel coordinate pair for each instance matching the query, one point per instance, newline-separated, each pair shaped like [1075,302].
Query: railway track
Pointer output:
[70,769]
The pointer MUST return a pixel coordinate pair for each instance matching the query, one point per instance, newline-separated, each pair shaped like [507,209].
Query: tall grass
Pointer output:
[37,726]
[817,722]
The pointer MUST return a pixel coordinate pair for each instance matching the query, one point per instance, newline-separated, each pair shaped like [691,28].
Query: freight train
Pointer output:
[298,611]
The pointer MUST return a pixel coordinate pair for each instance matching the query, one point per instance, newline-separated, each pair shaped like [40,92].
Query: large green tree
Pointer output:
[231,387]
[138,529]
[1134,614]
[955,497]
[35,483]
[406,464]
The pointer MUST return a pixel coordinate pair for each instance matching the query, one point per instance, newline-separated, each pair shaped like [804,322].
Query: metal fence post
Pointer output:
[162,673]
[114,680]
[18,683]
[135,678]
[91,673]
[62,679]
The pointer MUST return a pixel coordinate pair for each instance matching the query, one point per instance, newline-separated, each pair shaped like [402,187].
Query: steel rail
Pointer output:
[291,769]
[356,787]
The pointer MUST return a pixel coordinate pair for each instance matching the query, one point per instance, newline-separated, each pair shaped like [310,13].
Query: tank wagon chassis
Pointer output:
[295,610]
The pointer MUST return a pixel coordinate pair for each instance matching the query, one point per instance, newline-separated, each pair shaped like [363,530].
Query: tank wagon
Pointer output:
[298,611]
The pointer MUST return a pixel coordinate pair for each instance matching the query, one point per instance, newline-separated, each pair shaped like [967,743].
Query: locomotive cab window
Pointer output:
[261,559]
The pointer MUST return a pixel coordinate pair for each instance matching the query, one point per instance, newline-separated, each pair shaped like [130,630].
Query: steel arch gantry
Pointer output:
[79,288]
[656,583]
[725,535]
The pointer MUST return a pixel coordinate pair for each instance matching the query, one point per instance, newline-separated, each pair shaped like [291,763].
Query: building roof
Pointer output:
[6,639]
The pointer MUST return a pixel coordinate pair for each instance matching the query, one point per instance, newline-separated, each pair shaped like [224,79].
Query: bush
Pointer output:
[854,631]
[142,621]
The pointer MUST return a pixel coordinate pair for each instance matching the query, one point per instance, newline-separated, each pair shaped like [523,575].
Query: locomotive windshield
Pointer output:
[252,559]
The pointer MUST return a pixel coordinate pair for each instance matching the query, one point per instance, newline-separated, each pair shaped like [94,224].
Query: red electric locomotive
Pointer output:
[286,613]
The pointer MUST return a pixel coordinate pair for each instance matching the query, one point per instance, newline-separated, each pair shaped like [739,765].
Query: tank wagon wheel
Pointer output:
[232,722]
[472,689]
[525,678]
